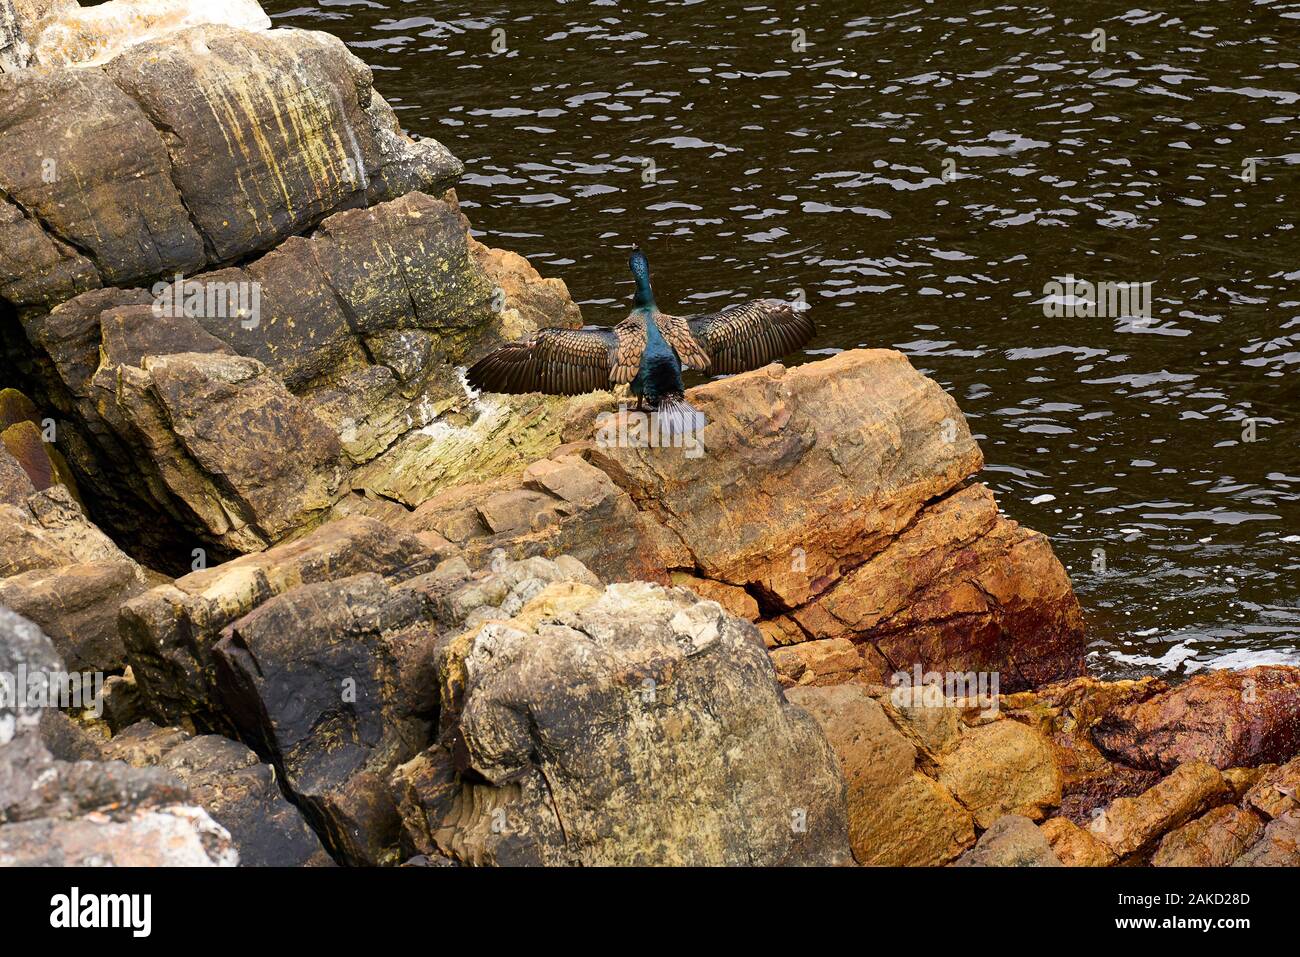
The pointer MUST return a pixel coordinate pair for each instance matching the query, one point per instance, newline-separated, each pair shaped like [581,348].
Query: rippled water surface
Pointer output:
[747,167]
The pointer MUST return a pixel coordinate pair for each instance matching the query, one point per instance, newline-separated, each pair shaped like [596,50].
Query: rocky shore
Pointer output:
[347,612]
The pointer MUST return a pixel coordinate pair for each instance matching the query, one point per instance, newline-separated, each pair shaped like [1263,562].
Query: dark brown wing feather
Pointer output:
[678,333]
[555,361]
[630,336]
[749,335]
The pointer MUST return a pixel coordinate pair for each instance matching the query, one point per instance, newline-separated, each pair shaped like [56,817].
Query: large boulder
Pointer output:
[194,150]
[170,631]
[629,725]
[318,653]
[315,239]
[1227,718]
[352,344]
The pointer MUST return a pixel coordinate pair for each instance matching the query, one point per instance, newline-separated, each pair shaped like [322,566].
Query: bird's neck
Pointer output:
[645,302]
[645,296]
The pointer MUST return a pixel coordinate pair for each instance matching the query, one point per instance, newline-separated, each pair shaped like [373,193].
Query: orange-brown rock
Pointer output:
[827,499]
[897,815]
[806,472]
[1277,791]
[1066,711]
[1278,847]
[1002,768]
[1241,780]
[1215,839]
[736,600]
[1131,825]
[832,661]
[949,587]
[1075,846]
[1228,718]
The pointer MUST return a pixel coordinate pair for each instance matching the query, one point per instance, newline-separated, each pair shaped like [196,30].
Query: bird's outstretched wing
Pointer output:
[678,333]
[749,335]
[630,336]
[555,361]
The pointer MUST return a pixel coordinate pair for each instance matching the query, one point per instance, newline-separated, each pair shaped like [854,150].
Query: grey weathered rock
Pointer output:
[83,813]
[357,332]
[1011,841]
[335,681]
[577,732]
[313,678]
[15,51]
[22,752]
[63,573]
[167,835]
[169,632]
[231,783]
[193,150]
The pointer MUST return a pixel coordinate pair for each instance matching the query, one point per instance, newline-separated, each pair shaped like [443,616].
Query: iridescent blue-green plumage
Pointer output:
[647,351]
[659,373]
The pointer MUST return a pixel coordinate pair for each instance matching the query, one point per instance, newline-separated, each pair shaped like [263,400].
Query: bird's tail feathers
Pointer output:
[678,420]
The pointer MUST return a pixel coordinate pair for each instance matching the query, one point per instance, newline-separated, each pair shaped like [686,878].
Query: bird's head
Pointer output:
[639,265]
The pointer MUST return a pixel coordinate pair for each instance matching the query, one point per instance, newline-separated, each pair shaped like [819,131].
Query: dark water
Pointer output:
[823,170]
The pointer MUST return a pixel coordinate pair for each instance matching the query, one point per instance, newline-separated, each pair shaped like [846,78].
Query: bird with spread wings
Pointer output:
[648,349]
